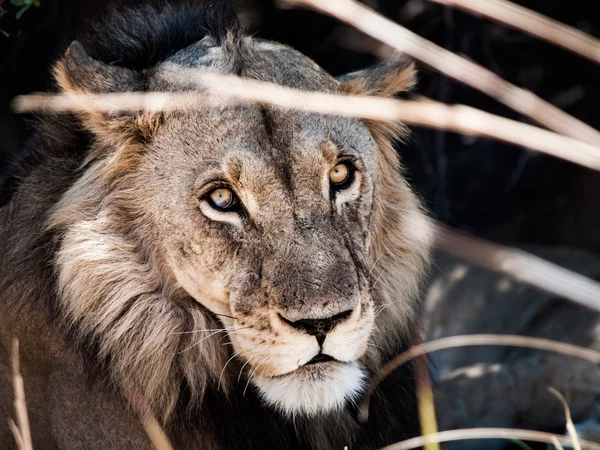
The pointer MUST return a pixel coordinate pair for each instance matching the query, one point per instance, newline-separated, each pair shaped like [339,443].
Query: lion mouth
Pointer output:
[320,358]
[318,364]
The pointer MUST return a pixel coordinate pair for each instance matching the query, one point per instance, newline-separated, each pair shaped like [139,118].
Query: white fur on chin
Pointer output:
[313,389]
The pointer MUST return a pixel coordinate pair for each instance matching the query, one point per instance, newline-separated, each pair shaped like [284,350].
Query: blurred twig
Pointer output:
[556,443]
[486,433]
[532,23]
[471,341]
[153,429]
[426,404]
[21,429]
[569,421]
[453,65]
[221,90]
[520,265]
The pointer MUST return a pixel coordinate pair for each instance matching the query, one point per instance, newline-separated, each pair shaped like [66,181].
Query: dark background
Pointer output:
[494,190]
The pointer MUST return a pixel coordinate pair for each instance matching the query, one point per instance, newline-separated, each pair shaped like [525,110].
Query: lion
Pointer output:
[241,271]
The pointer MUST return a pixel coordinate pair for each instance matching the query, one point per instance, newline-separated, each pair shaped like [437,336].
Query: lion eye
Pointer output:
[222,199]
[340,176]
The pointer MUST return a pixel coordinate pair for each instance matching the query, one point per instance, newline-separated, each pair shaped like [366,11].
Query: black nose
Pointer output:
[319,327]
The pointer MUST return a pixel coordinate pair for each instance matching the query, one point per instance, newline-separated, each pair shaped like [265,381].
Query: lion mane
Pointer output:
[80,283]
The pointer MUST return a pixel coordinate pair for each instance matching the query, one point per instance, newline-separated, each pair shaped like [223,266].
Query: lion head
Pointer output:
[238,244]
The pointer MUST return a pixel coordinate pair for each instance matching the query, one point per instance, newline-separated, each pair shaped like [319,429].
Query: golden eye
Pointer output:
[222,198]
[340,174]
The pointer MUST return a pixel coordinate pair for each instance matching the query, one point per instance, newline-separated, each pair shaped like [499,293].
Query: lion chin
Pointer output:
[313,389]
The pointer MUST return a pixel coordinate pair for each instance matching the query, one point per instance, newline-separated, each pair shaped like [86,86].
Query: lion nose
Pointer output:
[319,327]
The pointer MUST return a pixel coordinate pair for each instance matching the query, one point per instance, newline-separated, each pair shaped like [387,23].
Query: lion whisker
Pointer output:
[375,263]
[224,367]
[210,335]
[383,308]
[210,330]
[377,280]
[224,315]
[225,336]
[371,344]
[248,382]
[199,331]
[242,369]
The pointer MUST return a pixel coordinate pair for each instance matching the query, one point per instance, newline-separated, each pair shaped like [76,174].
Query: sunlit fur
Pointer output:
[157,288]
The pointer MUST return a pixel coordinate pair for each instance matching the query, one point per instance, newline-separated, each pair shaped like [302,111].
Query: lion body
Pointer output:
[131,291]
[73,408]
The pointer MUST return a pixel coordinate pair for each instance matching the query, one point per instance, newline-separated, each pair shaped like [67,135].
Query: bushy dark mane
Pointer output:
[141,38]
[86,242]
[137,39]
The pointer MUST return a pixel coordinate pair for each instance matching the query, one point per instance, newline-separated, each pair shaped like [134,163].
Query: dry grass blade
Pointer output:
[155,432]
[453,65]
[221,90]
[485,433]
[532,23]
[21,430]
[157,435]
[16,433]
[557,444]
[569,421]
[521,266]
[426,404]
[471,341]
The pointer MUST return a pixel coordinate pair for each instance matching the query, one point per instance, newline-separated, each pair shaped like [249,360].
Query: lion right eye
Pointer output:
[222,199]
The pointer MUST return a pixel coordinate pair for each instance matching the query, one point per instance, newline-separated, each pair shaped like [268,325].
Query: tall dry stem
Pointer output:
[453,65]
[487,433]
[21,430]
[470,341]
[532,23]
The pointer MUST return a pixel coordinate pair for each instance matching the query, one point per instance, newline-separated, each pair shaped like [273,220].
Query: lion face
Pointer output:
[290,229]
[269,230]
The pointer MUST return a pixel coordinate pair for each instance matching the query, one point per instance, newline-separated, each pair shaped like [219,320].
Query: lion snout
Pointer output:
[320,327]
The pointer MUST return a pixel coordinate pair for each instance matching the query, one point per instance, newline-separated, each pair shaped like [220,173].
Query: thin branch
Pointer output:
[486,433]
[521,266]
[21,431]
[226,90]
[222,90]
[16,434]
[157,435]
[532,23]
[556,443]
[471,341]
[457,67]
[570,426]
[153,429]
[425,400]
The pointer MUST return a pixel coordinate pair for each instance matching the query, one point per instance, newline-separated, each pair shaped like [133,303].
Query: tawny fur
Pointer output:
[178,303]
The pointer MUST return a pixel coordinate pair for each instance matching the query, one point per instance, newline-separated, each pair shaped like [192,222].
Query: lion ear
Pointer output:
[383,80]
[387,79]
[79,73]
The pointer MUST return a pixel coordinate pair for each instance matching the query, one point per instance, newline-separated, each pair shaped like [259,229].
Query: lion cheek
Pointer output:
[272,359]
[210,292]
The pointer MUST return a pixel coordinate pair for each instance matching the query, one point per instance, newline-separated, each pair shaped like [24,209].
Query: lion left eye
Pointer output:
[222,199]
[341,176]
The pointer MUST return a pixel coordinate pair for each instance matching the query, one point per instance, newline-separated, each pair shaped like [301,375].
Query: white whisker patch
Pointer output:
[313,390]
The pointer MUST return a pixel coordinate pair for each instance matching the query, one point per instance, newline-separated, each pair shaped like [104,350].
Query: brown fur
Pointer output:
[159,293]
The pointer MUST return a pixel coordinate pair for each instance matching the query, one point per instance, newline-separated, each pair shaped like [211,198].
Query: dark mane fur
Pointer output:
[138,40]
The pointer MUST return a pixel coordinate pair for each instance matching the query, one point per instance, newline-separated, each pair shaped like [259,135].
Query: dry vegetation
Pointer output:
[568,138]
